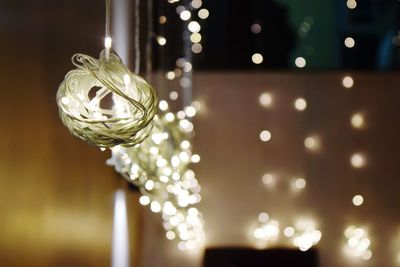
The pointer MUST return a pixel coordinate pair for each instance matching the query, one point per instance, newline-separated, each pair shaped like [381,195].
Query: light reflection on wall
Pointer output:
[120,239]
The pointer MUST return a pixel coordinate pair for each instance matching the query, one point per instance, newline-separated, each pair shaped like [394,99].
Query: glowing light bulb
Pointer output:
[300,62]
[312,143]
[185,15]
[170,75]
[289,231]
[265,99]
[161,40]
[144,200]
[357,160]
[348,82]
[163,105]
[203,13]
[263,217]
[300,183]
[173,95]
[257,58]
[268,179]
[358,200]
[351,4]
[197,48]
[265,136]
[300,104]
[357,120]
[107,42]
[194,26]
[349,42]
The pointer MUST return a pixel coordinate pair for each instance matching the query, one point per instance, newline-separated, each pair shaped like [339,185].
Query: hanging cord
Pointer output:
[137,32]
[108,40]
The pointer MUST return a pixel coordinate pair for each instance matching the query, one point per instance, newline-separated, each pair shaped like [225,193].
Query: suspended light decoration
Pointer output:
[160,167]
[358,243]
[306,235]
[103,103]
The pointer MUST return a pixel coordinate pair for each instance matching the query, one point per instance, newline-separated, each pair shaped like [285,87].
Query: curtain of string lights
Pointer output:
[160,166]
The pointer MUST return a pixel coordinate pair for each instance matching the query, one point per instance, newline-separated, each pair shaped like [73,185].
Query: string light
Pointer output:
[172,188]
[203,13]
[349,42]
[300,62]
[268,230]
[357,120]
[268,179]
[306,235]
[348,82]
[257,58]
[185,15]
[265,136]
[197,48]
[265,99]
[312,143]
[358,200]
[161,40]
[351,4]
[357,160]
[358,243]
[300,104]
[127,122]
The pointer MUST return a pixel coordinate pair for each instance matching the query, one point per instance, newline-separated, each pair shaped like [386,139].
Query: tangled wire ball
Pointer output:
[104,103]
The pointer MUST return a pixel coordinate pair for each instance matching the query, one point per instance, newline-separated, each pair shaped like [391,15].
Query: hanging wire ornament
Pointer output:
[103,102]
[160,168]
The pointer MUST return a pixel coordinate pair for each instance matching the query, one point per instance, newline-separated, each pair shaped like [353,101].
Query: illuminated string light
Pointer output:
[268,179]
[196,4]
[195,37]
[300,62]
[306,235]
[351,4]
[173,95]
[348,82]
[265,99]
[162,19]
[268,230]
[134,102]
[299,184]
[357,120]
[161,40]
[358,243]
[171,189]
[358,200]
[203,13]
[358,160]
[265,136]
[197,48]
[300,104]
[185,15]
[194,26]
[349,42]
[257,58]
[312,143]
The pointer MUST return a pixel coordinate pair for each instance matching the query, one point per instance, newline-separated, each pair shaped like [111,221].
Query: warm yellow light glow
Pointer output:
[357,120]
[203,13]
[312,143]
[348,82]
[144,200]
[107,42]
[195,37]
[170,75]
[263,217]
[185,15]
[306,235]
[358,200]
[190,111]
[155,207]
[268,179]
[265,136]
[349,42]
[161,40]
[194,26]
[351,4]
[196,3]
[358,160]
[300,183]
[162,19]
[300,62]
[163,105]
[358,243]
[288,231]
[170,235]
[265,99]
[173,95]
[300,104]
[197,48]
[257,58]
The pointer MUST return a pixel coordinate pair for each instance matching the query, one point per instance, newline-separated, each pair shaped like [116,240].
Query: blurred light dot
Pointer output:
[357,160]
[203,13]
[155,207]
[265,136]
[255,28]
[300,183]
[163,105]
[162,19]
[144,200]
[311,143]
[357,120]
[195,37]
[161,40]
[348,82]
[170,75]
[194,26]
[179,9]
[190,111]
[195,158]
[268,179]
[300,104]
[366,255]
[173,95]
[170,235]
[300,62]
[257,58]
[184,82]
[288,231]
[185,15]
[349,42]
[196,4]
[187,67]
[265,99]
[263,217]
[358,200]
[197,48]
[351,4]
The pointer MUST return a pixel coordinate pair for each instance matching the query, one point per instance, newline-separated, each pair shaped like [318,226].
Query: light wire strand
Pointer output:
[137,32]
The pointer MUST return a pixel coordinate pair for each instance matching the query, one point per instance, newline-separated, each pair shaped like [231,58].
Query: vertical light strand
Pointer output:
[120,236]
[149,54]
[187,76]
[137,33]
[107,40]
